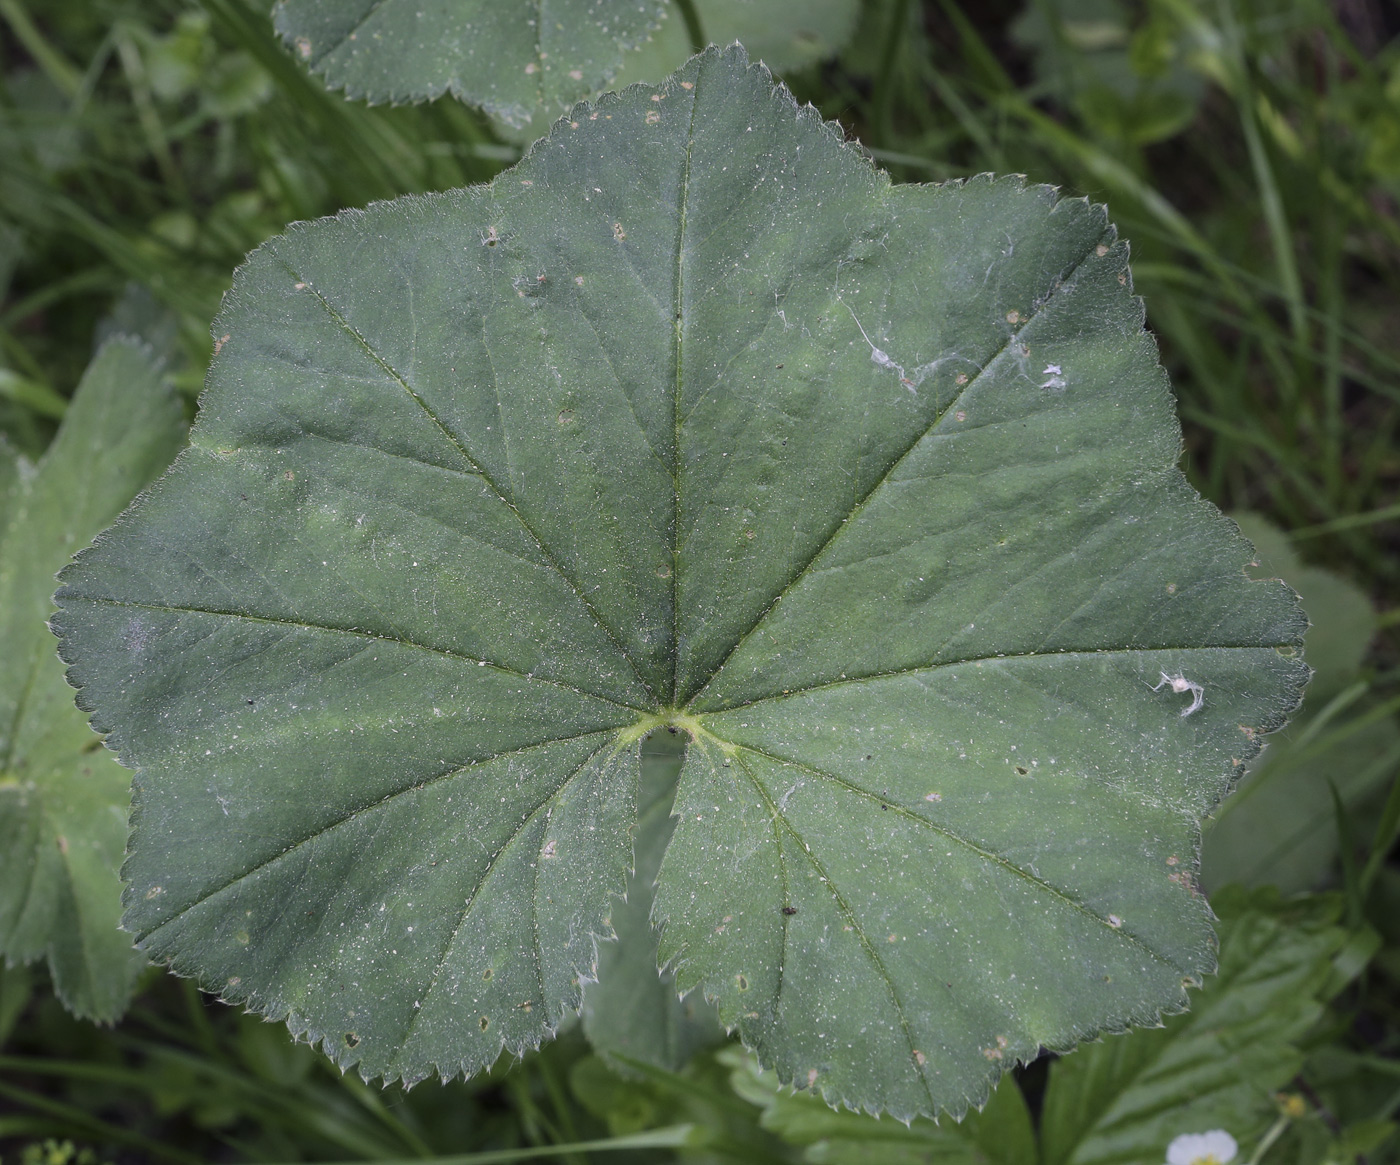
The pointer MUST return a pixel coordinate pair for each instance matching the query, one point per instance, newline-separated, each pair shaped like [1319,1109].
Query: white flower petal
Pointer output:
[1216,1147]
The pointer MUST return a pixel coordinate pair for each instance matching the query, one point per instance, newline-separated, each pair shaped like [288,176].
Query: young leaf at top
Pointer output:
[507,58]
[691,419]
[63,799]
[526,64]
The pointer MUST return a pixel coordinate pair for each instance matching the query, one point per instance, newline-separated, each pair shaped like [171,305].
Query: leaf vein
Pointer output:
[849,520]
[981,851]
[845,907]
[389,370]
[281,622]
[360,811]
[1088,653]
[481,884]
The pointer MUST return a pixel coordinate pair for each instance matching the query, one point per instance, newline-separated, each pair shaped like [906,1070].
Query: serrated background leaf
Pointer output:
[63,799]
[691,419]
[1125,1099]
[999,1134]
[1280,828]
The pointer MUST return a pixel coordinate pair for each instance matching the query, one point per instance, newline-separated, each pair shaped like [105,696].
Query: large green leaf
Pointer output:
[1121,1102]
[63,800]
[527,63]
[689,420]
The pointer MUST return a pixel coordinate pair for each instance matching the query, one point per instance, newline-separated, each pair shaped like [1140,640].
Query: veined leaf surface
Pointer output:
[63,799]
[690,419]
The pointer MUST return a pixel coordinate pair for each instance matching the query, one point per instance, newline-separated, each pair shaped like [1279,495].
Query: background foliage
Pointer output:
[1250,149]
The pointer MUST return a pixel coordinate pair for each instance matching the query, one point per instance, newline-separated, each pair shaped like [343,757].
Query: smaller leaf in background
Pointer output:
[1123,1101]
[524,77]
[139,315]
[1280,827]
[37,123]
[783,35]
[504,58]
[1001,1133]
[63,798]
[1128,84]
[632,1011]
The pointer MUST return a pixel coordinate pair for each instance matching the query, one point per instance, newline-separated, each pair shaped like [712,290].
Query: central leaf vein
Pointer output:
[676,390]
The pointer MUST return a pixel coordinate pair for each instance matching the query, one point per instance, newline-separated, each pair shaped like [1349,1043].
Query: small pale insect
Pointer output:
[1179,683]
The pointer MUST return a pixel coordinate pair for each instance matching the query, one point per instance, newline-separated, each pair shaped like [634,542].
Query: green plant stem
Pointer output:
[670,1137]
[883,103]
[1387,830]
[1276,1130]
[56,66]
[1347,522]
[134,68]
[33,395]
[693,28]
[76,1121]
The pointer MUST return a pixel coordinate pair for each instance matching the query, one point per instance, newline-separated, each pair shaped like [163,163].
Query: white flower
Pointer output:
[1216,1147]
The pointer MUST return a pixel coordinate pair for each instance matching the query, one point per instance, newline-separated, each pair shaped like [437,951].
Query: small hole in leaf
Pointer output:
[352,1040]
[566,416]
[741,982]
[486,974]
[484,1023]
[1022,770]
